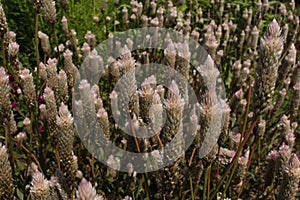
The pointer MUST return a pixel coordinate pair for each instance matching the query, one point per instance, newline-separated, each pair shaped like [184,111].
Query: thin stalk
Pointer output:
[242,144]
[138,148]
[205,185]
[229,180]
[158,138]
[191,186]
[36,39]
[236,156]
[248,166]
[248,106]
[208,181]
[93,166]
[8,146]
[218,164]
[33,156]
[192,156]
[134,136]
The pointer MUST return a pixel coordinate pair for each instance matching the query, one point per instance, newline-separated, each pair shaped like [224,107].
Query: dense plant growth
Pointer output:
[46,102]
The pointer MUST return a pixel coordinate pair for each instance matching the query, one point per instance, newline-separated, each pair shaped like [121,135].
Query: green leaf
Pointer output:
[20,194]
[20,124]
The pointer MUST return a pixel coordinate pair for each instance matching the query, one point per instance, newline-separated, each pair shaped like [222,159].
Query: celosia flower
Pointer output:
[86,191]
[40,129]
[28,87]
[291,178]
[267,70]
[14,105]
[6,181]
[49,11]
[39,186]
[3,23]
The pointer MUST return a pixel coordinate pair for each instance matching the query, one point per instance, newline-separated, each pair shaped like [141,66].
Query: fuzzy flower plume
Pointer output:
[4,97]
[6,181]
[291,179]
[49,11]
[65,139]
[28,87]
[271,48]
[39,187]
[86,191]
[3,23]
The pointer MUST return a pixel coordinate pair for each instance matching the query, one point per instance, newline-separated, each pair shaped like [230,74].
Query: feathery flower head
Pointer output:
[49,11]
[6,181]
[25,74]
[28,87]
[272,42]
[3,23]
[126,63]
[39,186]
[293,166]
[4,78]
[86,191]
[273,155]
[173,94]
[65,116]
[13,49]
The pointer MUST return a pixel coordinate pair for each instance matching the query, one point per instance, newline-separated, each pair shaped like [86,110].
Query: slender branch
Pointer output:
[135,138]
[36,39]
[191,186]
